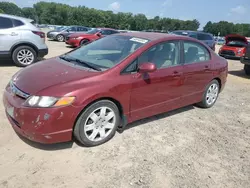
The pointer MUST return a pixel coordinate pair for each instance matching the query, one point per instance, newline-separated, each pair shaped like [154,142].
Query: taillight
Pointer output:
[244,51]
[39,33]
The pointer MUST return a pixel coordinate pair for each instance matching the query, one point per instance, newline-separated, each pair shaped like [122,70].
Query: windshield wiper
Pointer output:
[69,59]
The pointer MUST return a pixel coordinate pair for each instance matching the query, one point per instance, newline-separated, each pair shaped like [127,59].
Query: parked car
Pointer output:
[207,38]
[61,33]
[78,39]
[221,41]
[96,89]
[245,59]
[20,40]
[234,46]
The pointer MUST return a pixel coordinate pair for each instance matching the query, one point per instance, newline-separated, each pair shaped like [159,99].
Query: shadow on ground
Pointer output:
[239,73]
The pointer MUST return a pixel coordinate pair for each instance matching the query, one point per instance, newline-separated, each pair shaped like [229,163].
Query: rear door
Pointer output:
[8,34]
[197,71]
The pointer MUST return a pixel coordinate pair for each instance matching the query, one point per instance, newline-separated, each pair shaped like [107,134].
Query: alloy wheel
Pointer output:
[99,124]
[25,57]
[212,93]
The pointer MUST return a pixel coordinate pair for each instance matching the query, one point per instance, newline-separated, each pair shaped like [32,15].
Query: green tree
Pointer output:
[10,8]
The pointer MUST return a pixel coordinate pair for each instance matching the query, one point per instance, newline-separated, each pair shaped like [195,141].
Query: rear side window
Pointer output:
[5,23]
[17,23]
[204,37]
[195,53]
[82,29]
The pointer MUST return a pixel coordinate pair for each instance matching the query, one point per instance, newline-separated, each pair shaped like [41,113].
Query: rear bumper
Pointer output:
[42,52]
[245,61]
[5,55]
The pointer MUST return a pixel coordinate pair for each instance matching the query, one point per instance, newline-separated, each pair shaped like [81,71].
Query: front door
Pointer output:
[9,35]
[159,91]
[197,71]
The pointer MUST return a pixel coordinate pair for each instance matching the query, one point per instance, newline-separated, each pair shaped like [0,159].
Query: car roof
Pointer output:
[16,17]
[154,36]
[105,28]
[189,31]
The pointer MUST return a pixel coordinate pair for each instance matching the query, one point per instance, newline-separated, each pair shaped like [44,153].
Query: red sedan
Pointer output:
[79,39]
[97,89]
[235,46]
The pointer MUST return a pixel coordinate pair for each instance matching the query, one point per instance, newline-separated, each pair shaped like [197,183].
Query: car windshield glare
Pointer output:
[93,31]
[236,44]
[109,51]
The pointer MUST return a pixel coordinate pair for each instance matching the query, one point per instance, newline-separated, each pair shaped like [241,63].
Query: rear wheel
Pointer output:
[210,95]
[247,69]
[97,124]
[60,38]
[24,56]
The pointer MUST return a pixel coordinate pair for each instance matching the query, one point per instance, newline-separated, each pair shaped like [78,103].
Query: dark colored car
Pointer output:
[207,38]
[245,59]
[61,33]
[79,39]
[234,46]
[97,89]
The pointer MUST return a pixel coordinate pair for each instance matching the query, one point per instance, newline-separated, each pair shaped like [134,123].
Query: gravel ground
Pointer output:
[189,147]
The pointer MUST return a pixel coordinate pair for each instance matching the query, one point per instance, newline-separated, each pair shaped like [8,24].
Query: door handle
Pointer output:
[176,73]
[206,67]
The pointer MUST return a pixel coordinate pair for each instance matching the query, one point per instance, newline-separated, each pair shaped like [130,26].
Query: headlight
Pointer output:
[46,101]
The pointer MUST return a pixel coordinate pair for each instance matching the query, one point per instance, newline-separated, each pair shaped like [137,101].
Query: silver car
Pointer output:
[20,40]
[61,33]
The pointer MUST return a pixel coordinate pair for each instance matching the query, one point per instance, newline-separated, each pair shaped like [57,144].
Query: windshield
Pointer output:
[107,52]
[236,44]
[180,33]
[93,31]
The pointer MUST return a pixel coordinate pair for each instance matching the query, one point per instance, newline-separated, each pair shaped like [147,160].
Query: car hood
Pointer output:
[48,73]
[234,37]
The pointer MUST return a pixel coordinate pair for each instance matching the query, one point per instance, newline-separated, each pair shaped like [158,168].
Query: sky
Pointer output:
[203,10]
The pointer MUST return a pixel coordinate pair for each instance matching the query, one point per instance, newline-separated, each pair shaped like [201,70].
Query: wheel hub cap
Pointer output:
[212,94]
[99,124]
[25,57]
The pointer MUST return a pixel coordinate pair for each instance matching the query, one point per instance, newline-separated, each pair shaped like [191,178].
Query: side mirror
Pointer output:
[147,67]
[99,34]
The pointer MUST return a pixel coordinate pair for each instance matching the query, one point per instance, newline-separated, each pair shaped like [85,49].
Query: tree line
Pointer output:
[62,14]
[223,28]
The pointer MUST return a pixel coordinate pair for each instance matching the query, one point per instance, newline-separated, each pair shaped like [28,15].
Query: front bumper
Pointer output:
[245,60]
[43,125]
[229,56]
[72,42]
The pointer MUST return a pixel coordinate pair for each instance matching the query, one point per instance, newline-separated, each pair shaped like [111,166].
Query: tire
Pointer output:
[247,69]
[18,53]
[60,38]
[88,130]
[84,41]
[206,103]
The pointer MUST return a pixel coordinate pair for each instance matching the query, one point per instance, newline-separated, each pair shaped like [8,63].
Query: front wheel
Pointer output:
[210,95]
[84,41]
[247,69]
[97,124]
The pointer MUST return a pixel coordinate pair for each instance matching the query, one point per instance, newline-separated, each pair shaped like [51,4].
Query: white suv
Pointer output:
[20,40]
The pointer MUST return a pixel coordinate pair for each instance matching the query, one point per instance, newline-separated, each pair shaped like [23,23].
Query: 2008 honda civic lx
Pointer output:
[97,89]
